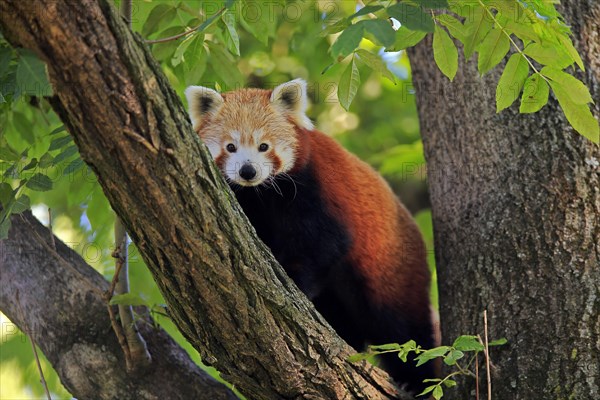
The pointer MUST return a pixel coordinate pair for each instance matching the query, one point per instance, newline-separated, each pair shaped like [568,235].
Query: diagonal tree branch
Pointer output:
[226,292]
[57,298]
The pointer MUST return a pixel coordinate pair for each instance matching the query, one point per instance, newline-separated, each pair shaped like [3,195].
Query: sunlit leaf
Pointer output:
[379,31]
[467,343]
[445,53]
[492,50]
[476,28]
[375,62]
[159,17]
[535,94]
[511,82]
[347,41]
[548,54]
[578,115]
[39,182]
[406,38]
[349,83]
[455,27]
[577,91]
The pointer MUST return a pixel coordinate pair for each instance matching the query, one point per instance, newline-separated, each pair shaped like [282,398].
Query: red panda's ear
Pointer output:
[292,100]
[202,101]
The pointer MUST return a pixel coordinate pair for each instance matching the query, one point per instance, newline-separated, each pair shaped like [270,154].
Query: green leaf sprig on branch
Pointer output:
[450,355]
[543,58]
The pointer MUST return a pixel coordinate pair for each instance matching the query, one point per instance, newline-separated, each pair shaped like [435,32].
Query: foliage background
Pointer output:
[275,45]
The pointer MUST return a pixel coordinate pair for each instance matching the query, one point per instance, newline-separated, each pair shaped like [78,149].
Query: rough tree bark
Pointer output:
[516,208]
[225,291]
[50,293]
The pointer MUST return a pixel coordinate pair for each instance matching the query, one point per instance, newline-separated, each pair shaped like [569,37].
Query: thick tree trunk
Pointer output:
[50,293]
[225,291]
[516,208]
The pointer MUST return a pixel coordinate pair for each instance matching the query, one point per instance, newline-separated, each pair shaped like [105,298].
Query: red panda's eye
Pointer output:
[231,148]
[263,147]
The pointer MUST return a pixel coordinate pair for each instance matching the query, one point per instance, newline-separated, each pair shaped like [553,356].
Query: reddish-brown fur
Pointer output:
[386,243]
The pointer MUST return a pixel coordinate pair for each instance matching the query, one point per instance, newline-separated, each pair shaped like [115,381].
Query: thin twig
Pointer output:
[487,355]
[476,377]
[35,353]
[118,329]
[198,28]
[118,265]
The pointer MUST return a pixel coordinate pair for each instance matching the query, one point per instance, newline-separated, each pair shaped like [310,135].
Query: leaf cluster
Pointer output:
[449,354]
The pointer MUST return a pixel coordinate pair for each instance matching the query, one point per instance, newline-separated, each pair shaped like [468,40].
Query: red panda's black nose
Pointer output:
[247,172]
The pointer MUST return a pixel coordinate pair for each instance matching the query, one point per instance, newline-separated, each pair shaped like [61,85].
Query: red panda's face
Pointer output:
[250,133]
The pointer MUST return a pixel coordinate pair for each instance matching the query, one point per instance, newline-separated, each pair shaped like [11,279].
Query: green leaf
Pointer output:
[428,389]
[164,51]
[452,356]
[431,354]
[349,83]
[8,154]
[467,343]
[511,82]
[454,26]
[375,62]
[128,299]
[65,154]
[6,55]
[31,164]
[58,130]
[385,347]
[233,39]
[21,204]
[576,89]
[380,32]
[365,10]
[492,50]
[347,41]
[498,342]
[23,126]
[6,193]
[59,143]
[257,18]
[438,4]
[178,56]
[39,182]
[359,357]
[548,54]
[406,38]
[159,17]
[571,50]
[336,27]
[196,59]
[449,383]
[46,160]
[523,30]
[411,17]
[225,66]
[445,53]
[73,166]
[476,28]
[535,94]
[578,115]
[438,392]
[31,75]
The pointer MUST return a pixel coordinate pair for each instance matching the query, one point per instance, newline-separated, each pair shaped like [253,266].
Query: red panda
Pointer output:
[331,221]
